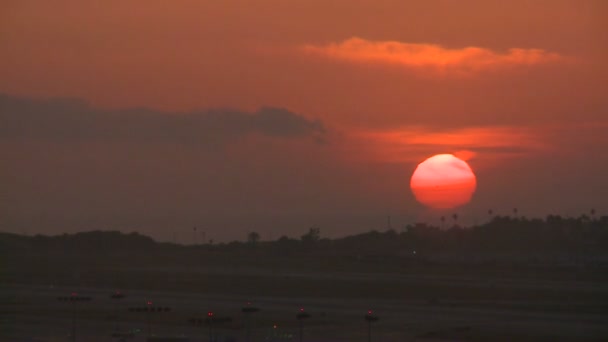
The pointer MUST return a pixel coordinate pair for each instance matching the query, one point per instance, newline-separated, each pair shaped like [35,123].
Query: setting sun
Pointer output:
[443,182]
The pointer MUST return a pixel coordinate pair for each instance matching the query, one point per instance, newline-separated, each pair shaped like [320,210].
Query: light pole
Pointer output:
[301,316]
[212,321]
[248,310]
[73,298]
[116,297]
[149,309]
[370,317]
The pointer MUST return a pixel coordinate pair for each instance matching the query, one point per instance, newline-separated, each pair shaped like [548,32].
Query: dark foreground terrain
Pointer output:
[431,295]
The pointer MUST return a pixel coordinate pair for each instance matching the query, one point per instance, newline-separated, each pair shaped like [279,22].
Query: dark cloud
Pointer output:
[72,120]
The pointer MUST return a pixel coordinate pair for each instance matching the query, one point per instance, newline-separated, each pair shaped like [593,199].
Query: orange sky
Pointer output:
[370,88]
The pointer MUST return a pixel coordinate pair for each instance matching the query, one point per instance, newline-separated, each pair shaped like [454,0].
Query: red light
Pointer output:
[369,312]
[149,303]
[301,309]
[210,314]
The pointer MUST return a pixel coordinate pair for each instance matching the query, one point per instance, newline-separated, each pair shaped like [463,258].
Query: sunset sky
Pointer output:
[274,116]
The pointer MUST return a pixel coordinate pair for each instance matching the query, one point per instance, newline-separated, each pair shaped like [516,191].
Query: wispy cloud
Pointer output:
[412,144]
[429,56]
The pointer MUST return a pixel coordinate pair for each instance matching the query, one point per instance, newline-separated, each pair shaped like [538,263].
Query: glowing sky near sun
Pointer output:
[277,115]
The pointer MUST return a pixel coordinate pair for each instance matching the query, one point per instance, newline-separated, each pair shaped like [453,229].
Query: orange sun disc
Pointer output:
[443,182]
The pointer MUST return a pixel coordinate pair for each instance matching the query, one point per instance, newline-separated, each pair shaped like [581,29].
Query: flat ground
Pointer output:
[414,304]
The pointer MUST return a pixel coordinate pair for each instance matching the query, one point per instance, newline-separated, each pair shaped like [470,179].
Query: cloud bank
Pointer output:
[416,55]
[69,120]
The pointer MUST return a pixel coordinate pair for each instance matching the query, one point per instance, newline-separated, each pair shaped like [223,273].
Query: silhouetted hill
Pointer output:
[554,248]
[582,236]
[84,241]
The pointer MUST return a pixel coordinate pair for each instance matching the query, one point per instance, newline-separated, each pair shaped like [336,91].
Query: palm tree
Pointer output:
[455,217]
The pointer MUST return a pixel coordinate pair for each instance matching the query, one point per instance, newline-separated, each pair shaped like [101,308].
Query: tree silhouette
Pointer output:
[313,235]
[554,234]
[253,238]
